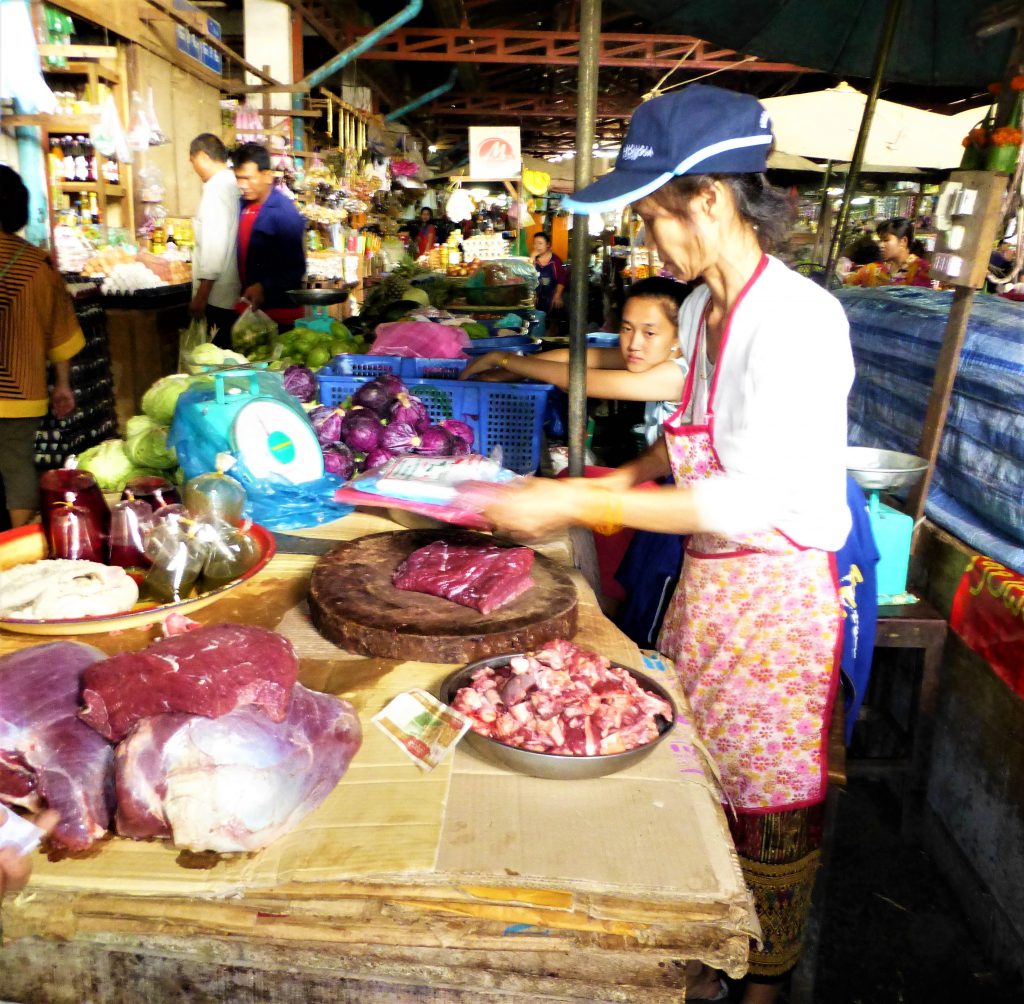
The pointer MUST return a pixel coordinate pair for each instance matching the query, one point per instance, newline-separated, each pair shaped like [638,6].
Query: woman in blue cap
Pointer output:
[757,451]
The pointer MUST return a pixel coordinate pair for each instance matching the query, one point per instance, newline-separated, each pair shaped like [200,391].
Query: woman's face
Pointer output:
[686,240]
[646,336]
[540,246]
[426,216]
[892,247]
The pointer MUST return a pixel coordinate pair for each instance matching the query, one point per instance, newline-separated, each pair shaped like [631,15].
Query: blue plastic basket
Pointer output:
[507,415]
[507,343]
[603,340]
[366,366]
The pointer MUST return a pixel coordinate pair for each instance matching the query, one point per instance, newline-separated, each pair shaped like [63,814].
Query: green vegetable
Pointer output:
[474,329]
[146,443]
[158,402]
[110,465]
[252,329]
[318,357]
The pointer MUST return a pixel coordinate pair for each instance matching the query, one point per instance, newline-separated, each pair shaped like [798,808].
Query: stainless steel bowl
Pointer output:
[883,470]
[554,766]
[320,297]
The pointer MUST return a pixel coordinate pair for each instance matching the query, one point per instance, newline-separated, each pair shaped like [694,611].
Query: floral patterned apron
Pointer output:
[754,629]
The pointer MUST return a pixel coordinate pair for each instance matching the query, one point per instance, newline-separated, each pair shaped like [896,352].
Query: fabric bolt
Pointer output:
[215,228]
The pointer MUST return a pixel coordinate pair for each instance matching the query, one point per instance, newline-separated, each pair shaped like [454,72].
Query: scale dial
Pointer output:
[272,441]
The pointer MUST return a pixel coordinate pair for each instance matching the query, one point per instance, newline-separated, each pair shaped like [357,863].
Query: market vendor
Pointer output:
[271,238]
[901,263]
[552,276]
[757,449]
[426,235]
[37,325]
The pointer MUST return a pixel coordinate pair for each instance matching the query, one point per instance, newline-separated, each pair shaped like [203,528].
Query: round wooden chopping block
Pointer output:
[354,604]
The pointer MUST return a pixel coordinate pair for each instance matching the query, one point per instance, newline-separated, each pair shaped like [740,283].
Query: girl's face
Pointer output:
[687,240]
[892,247]
[646,336]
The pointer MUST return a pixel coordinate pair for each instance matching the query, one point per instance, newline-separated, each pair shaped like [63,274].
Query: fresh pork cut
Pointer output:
[484,578]
[234,783]
[48,757]
[208,671]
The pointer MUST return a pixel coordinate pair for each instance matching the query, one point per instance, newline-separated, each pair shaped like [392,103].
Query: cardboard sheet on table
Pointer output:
[465,824]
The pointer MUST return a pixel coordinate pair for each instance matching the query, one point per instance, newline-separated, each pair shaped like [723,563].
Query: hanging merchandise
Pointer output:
[20,79]
[460,206]
[139,129]
[536,182]
[157,137]
[108,137]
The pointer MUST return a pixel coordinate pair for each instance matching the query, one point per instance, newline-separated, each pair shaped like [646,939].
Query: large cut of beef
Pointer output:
[208,671]
[484,578]
[48,757]
[237,782]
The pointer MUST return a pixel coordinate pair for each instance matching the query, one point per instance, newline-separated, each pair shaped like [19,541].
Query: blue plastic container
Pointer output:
[507,343]
[603,340]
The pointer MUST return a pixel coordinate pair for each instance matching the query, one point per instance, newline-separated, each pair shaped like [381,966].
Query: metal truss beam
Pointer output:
[487,106]
[562,48]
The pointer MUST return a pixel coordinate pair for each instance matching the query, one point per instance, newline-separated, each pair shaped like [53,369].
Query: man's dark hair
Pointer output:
[13,200]
[251,153]
[211,145]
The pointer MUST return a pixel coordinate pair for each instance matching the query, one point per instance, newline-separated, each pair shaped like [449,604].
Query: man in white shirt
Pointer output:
[215,284]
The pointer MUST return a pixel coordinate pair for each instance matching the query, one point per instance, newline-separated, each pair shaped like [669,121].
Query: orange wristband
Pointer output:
[608,518]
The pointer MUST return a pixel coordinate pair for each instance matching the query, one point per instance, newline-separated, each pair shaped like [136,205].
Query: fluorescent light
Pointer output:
[861,200]
[431,148]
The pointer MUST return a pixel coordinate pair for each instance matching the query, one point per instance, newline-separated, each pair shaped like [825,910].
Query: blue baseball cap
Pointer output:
[698,129]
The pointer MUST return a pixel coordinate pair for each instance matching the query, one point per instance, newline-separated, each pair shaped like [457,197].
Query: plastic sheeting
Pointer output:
[977,492]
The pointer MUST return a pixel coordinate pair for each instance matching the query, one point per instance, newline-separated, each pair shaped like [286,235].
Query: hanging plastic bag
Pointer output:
[139,129]
[157,137]
[191,338]
[108,136]
[20,79]
[252,330]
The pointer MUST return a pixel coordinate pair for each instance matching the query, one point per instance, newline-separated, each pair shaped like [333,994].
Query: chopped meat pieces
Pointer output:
[484,578]
[562,699]
[209,671]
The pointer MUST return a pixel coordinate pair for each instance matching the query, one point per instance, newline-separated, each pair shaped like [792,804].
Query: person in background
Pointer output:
[215,285]
[754,625]
[864,249]
[426,236]
[271,238]
[15,868]
[37,324]
[901,264]
[553,278]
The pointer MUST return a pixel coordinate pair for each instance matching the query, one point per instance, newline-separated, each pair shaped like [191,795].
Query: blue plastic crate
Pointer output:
[365,366]
[507,415]
[432,369]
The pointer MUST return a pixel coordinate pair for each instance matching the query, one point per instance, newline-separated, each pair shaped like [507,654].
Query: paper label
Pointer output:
[18,833]
[422,727]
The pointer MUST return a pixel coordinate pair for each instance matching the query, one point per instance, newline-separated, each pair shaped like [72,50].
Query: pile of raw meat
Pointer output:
[562,699]
[482,577]
[204,737]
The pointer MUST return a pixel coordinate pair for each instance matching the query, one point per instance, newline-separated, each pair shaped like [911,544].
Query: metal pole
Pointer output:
[579,287]
[892,16]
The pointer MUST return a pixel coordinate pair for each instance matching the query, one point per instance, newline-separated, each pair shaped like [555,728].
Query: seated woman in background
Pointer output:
[901,264]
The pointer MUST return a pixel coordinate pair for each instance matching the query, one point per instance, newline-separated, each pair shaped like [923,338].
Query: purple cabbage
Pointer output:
[300,382]
[377,457]
[460,448]
[372,395]
[400,437]
[435,442]
[361,433]
[412,411]
[328,425]
[392,386]
[338,460]
[458,429]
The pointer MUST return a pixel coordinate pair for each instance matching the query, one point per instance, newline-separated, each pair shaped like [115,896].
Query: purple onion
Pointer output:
[400,437]
[300,382]
[363,433]
[377,457]
[435,442]
[458,429]
[328,427]
[392,385]
[338,460]
[372,395]
[410,410]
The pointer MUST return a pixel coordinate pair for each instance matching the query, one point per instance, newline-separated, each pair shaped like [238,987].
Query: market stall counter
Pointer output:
[470,883]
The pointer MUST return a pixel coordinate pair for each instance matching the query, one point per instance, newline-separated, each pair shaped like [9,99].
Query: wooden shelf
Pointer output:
[53,123]
[79,68]
[111,191]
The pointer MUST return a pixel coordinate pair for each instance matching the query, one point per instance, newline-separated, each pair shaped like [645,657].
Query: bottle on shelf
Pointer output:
[81,159]
[69,158]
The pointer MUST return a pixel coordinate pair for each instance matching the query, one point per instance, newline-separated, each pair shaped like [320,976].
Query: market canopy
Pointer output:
[824,124]
[935,41]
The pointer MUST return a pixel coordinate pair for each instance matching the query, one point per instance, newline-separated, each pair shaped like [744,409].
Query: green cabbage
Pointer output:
[158,402]
[208,354]
[146,443]
[110,465]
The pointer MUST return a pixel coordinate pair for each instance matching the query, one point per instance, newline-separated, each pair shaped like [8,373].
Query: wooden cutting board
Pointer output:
[354,604]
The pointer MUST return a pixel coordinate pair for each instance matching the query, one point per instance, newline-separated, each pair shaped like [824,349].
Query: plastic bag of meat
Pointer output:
[48,758]
[209,671]
[484,578]
[234,783]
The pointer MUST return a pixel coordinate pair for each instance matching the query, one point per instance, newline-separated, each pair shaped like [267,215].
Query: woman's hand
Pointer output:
[15,867]
[536,507]
[483,364]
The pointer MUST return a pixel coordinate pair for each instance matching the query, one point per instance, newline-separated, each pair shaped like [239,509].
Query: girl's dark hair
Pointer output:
[13,200]
[669,294]
[766,208]
[541,233]
[428,210]
[900,227]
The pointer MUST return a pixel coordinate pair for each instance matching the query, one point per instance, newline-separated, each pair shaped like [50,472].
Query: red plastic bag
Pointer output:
[420,339]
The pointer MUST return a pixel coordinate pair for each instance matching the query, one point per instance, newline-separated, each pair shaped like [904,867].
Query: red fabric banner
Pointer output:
[988,613]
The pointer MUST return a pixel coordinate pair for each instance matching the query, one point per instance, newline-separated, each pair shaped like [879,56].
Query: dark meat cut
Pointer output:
[484,578]
[237,782]
[562,699]
[48,758]
[209,671]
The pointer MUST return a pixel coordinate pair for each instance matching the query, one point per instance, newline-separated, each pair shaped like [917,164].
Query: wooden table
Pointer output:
[469,884]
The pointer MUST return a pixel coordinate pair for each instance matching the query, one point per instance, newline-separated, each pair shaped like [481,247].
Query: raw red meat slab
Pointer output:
[234,783]
[209,671]
[48,758]
[484,578]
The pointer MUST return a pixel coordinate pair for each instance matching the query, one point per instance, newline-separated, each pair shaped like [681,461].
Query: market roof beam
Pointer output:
[452,14]
[525,105]
[561,48]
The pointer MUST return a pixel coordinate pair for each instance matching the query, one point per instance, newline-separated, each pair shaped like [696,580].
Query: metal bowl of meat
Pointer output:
[559,766]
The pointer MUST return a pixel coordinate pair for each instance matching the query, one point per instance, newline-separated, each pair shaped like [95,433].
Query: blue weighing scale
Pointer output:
[878,471]
[317,301]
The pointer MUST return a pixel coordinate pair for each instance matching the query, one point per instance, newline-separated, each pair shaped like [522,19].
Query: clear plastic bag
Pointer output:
[196,334]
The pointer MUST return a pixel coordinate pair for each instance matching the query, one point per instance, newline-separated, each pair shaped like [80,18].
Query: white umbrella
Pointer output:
[824,124]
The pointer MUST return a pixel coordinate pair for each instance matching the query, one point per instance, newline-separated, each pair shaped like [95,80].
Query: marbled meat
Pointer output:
[208,671]
[234,783]
[484,578]
[48,757]
[562,699]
